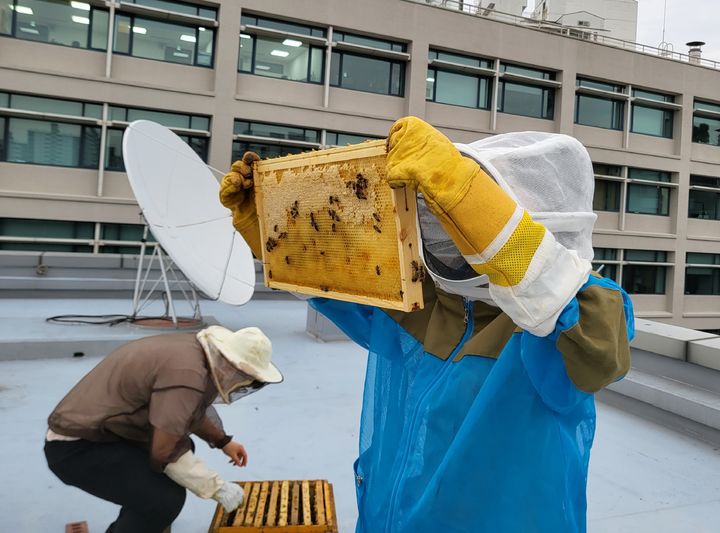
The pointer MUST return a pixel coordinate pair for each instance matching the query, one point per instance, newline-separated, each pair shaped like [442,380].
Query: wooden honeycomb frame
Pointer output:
[330,226]
[306,506]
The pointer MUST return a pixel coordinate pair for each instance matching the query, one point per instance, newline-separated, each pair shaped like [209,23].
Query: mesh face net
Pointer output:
[548,174]
[232,384]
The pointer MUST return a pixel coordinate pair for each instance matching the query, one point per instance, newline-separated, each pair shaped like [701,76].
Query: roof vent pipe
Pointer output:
[695,51]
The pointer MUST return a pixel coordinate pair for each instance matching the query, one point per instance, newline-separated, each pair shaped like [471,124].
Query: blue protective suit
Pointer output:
[477,443]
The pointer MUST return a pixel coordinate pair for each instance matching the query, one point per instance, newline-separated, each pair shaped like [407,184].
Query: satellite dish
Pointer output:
[179,199]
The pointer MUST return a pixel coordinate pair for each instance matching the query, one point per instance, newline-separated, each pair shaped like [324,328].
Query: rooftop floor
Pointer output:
[643,477]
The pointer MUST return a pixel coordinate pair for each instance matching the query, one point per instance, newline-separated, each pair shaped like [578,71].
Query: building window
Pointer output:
[299,57]
[70,140]
[456,80]
[702,274]
[597,109]
[272,140]
[704,198]
[640,275]
[14,230]
[351,67]
[606,262]
[649,118]
[187,43]
[646,198]
[706,123]
[607,191]
[193,129]
[523,97]
[122,238]
[75,24]
[337,138]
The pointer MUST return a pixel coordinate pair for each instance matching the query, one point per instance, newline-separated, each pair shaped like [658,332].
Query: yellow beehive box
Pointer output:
[331,226]
[306,506]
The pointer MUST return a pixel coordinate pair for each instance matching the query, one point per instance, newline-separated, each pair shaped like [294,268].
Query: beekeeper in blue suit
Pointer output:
[478,411]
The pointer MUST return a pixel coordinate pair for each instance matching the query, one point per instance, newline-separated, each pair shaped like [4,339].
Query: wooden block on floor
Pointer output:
[289,506]
[77,527]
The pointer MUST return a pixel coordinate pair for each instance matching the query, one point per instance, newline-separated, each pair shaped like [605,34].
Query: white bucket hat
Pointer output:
[248,350]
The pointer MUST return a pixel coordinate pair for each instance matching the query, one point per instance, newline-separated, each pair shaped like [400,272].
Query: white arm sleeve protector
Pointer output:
[193,474]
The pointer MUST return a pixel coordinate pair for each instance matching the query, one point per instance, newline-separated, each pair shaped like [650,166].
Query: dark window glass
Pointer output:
[99,32]
[179,7]
[2,138]
[705,181]
[371,42]
[603,86]
[599,112]
[49,229]
[702,280]
[333,138]
[606,196]
[164,41]
[607,170]
[527,100]
[644,279]
[646,255]
[460,59]
[648,174]
[123,34]
[652,121]
[648,199]
[198,144]
[649,95]
[113,150]
[458,89]
[609,254]
[706,106]
[276,131]
[278,57]
[370,74]
[264,150]
[44,143]
[704,205]
[527,71]
[57,22]
[706,130]
[606,270]
[281,25]
[46,105]
[122,232]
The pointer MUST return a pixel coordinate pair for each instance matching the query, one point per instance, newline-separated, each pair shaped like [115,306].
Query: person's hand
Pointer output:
[230,496]
[237,192]
[422,158]
[236,452]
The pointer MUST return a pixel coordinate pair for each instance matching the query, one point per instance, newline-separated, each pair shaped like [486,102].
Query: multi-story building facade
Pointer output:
[281,77]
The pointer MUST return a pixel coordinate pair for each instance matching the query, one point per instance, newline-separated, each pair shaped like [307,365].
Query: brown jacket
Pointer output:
[153,392]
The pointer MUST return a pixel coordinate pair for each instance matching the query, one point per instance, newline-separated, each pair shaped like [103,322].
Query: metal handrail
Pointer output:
[588,35]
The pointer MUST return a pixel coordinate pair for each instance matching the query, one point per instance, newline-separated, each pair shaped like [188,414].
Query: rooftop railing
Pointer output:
[583,34]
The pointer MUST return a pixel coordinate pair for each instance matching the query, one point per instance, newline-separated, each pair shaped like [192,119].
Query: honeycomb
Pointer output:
[331,226]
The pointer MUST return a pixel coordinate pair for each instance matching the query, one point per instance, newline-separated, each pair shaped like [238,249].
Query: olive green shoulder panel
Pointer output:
[440,325]
[596,350]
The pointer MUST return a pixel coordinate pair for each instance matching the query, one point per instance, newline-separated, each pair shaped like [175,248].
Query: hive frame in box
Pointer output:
[303,506]
[373,254]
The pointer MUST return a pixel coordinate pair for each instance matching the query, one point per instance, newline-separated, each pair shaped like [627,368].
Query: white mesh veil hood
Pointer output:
[548,174]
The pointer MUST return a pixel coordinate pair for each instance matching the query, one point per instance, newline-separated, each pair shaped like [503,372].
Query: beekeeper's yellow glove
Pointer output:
[237,193]
[495,235]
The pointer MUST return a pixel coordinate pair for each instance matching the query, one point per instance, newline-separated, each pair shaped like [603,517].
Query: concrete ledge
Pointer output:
[665,339]
[705,352]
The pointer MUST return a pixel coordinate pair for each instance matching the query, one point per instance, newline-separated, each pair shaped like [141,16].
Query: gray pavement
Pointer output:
[643,478]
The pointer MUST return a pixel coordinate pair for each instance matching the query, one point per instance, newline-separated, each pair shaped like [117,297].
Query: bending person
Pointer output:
[478,411]
[123,432]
